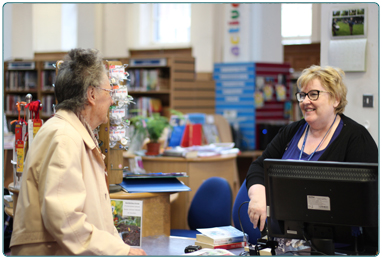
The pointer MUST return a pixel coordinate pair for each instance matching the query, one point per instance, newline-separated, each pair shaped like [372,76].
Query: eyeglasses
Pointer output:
[111,92]
[312,95]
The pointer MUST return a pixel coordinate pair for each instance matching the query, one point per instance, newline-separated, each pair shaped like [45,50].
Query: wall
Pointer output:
[18,31]
[358,83]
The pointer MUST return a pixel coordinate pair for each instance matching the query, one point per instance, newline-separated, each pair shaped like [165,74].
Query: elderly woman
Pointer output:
[64,206]
[325,134]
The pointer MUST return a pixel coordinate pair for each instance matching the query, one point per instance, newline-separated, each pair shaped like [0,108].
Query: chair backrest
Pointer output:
[211,205]
[242,196]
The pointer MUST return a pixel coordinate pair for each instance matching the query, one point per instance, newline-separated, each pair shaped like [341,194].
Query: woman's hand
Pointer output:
[257,208]
[137,251]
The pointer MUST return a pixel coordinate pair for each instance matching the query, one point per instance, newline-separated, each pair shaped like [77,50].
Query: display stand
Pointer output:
[113,153]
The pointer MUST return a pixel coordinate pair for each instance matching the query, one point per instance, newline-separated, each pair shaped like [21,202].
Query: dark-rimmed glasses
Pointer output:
[312,95]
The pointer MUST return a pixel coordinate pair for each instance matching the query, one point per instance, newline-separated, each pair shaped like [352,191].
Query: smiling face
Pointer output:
[320,112]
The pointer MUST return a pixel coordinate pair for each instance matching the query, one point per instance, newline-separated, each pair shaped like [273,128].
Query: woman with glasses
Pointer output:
[64,206]
[324,133]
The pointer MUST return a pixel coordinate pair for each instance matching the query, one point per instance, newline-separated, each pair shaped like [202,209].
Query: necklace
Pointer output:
[306,135]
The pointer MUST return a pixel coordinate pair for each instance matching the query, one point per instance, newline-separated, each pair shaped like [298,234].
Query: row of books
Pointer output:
[145,106]
[10,102]
[48,77]
[20,80]
[148,79]
[47,104]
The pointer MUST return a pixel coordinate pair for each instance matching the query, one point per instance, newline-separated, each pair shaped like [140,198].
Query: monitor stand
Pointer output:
[323,245]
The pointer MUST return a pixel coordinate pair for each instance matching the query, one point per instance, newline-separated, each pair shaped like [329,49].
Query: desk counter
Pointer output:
[171,246]
[198,170]
[155,211]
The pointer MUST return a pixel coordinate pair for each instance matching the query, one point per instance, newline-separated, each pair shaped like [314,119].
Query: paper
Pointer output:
[127,217]
[349,54]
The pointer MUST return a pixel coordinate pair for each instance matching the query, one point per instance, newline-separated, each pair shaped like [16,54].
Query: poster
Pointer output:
[127,217]
[349,22]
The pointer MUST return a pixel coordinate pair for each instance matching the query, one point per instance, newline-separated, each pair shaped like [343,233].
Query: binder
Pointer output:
[154,184]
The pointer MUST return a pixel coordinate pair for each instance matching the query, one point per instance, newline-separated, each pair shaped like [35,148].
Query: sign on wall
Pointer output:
[237,33]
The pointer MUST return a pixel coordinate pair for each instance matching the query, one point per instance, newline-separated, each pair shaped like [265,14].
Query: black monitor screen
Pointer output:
[320,200]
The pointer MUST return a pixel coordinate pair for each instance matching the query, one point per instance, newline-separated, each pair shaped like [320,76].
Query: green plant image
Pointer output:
[152,126]
[129,227]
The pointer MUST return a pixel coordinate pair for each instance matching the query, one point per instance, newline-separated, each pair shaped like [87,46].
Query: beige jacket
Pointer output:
[64,206]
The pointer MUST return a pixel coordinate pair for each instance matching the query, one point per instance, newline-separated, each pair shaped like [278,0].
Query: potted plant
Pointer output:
[152,127]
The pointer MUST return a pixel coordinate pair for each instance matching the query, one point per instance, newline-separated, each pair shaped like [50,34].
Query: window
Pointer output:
[171,23]
[296,23]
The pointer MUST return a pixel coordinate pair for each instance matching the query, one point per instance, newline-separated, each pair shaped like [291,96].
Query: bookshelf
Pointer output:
[175,83]
[20,78]
[34,77]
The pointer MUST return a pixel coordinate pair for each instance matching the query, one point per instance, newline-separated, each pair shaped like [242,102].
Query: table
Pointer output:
[155,211]
[164,245]
[198,169]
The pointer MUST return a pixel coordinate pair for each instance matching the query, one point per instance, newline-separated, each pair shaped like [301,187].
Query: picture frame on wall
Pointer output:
[349,22]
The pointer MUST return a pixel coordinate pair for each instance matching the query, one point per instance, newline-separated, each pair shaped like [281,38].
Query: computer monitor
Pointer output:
[322,202]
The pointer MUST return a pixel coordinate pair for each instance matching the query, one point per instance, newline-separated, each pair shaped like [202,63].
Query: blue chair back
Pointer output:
[242,196]
[211,205]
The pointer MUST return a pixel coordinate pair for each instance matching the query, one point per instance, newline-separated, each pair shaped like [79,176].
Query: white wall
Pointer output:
[18,26]
[358,83]
[266,33]
[202,36]
[46,22]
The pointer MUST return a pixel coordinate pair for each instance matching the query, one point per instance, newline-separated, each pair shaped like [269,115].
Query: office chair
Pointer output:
[242,196]
[210,207]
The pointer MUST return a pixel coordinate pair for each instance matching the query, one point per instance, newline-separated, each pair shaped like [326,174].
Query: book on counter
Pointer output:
[220,235]
[210,252]
[223,246]
[180,152]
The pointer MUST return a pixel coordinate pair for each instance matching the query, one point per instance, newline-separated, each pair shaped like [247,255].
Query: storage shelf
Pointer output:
[150,92]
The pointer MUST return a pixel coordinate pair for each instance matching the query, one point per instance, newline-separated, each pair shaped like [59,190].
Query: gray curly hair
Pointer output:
[80,69]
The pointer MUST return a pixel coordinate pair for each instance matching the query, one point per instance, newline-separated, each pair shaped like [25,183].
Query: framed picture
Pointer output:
[348,22]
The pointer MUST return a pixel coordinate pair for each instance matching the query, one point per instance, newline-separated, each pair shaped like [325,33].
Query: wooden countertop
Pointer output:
[183,159]
[141,195]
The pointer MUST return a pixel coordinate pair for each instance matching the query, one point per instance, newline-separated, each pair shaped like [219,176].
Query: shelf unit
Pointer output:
[26,77]
[177,87]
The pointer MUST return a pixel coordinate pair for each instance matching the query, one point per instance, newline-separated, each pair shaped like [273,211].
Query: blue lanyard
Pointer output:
[306,135]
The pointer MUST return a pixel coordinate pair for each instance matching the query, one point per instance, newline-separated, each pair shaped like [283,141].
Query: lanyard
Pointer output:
[306,135]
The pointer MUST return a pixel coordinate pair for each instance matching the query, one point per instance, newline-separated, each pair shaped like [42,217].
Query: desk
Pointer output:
[164,245]
[155,211]
[198,170]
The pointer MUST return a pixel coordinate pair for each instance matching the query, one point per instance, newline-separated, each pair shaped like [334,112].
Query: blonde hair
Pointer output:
[331,79]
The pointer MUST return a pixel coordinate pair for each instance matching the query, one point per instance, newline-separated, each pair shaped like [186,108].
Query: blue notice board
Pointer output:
[154,184]
[235,88]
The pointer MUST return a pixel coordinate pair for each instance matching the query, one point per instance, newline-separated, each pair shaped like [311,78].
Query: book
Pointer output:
[220,235]
[176,136]
[211,133]
[209,251]
[192,135]
[224,246]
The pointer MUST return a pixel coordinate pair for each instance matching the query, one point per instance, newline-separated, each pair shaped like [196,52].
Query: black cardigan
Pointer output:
[353,144]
